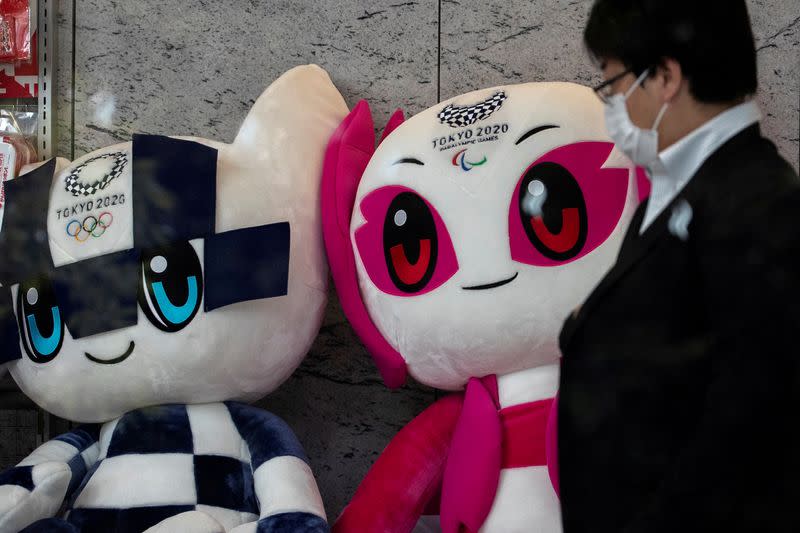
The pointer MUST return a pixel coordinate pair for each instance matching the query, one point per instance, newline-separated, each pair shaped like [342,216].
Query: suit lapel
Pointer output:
[634,248]
[638,246]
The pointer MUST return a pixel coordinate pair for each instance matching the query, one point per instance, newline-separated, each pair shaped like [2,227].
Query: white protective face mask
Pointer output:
[640,145]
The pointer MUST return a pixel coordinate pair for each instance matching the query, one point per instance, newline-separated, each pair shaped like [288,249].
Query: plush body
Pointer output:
[176,459]
[458,248]
[176,274]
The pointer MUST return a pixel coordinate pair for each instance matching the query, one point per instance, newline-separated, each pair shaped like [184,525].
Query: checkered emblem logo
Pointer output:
[78,188]
[461,116]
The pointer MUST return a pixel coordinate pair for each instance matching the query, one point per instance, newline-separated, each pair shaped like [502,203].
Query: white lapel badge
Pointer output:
[679,221]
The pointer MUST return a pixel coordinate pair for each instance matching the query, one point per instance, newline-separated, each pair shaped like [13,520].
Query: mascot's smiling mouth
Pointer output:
[491,285]
[114,361]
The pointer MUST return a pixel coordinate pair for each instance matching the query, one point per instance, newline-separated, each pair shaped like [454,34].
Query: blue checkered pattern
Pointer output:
[82,439]
[286,522]
[131,521]
[21,476]
[174,454]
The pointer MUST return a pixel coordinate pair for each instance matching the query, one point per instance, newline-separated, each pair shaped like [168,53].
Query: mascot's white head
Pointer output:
[171,270]
[476,227]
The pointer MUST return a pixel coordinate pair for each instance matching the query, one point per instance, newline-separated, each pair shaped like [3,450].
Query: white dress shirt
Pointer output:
[679,162]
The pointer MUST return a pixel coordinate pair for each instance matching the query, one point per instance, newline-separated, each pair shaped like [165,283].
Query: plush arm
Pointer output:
[284,483]
[740,465]
[407,475]
[39,486]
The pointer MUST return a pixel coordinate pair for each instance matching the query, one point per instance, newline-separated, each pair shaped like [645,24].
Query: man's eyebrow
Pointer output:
[412,160]
[534,131]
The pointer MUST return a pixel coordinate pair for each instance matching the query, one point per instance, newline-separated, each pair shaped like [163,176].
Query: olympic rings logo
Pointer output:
[90,227]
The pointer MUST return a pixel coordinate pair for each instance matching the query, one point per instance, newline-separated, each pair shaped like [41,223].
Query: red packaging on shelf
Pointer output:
[15,35]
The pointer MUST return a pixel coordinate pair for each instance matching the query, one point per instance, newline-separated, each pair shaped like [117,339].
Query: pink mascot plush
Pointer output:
[458,247]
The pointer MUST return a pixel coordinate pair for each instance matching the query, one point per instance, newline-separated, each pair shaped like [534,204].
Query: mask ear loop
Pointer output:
[660,115]
[638,82]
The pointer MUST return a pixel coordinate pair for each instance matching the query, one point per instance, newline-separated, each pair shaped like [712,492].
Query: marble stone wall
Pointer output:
[194,67]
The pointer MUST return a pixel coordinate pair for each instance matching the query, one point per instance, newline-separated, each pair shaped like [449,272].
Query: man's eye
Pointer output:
[171,286]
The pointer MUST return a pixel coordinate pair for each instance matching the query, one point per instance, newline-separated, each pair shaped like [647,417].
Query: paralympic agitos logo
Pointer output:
[460,160]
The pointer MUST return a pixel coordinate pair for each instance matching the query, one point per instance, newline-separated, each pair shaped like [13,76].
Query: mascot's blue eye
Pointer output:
[173,313]
[40,320]
[45,345]
[171,286]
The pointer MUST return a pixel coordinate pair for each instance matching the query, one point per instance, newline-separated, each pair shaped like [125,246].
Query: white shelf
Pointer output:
[46,26]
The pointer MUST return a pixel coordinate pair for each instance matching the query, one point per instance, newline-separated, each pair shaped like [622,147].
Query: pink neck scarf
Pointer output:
[487,439]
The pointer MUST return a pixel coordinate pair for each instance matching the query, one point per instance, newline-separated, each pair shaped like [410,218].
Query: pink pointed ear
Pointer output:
[346,158]
[395,120]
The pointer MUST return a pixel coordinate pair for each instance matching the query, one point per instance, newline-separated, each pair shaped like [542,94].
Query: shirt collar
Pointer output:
[684,158]
[678,163]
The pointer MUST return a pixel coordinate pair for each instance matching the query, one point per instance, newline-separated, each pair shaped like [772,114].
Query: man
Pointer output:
[678,401]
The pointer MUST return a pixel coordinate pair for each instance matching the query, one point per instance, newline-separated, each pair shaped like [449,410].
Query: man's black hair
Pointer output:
[711,39]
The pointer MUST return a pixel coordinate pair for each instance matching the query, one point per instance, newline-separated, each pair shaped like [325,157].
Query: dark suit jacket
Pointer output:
[678,403]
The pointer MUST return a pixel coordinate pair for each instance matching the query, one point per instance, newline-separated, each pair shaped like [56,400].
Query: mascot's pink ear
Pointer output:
[395,120]
[346,158]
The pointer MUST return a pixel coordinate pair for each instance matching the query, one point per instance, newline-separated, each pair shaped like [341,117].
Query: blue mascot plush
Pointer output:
[147,289]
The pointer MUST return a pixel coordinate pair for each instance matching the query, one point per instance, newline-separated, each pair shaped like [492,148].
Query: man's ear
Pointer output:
[669,76]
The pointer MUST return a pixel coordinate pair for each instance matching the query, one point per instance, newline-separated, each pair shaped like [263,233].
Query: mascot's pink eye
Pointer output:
[409,242]
[566,204]
[553,211]
[404,245]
